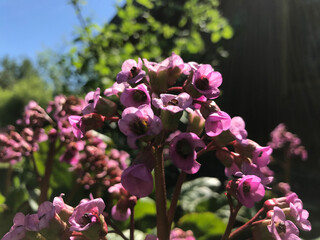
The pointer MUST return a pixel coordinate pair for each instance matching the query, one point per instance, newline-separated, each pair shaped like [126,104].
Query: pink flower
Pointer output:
[261,155]
[86,214]
[135,97]
[46,213]
[17,231]
[300,215]
[139,122]
[282,229]
[170,64]
[173,103]
[137,180]
[131,72]
[216,123]
[237,128]
[120,214]
[115,89]
[183,153]
[91,100]
[76,125]
[250,190]
[206,81]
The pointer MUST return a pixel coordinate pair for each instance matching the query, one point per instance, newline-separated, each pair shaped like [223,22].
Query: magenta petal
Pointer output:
[137,180]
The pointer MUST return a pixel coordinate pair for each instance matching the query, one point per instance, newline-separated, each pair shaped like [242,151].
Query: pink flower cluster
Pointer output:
[57,220]
[281,138]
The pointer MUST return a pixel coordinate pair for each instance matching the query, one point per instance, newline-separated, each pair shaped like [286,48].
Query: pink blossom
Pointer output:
[261,155]
[120,214]
[206,81]
[115,89]
[300,215]
[91,100]
[216,123]
[139,122]
[17,231]
[173,103]
[183,153]
[137,180]
[86,214]
[131,72]
[282,229]
[237,128]
[135,97]
[250,190]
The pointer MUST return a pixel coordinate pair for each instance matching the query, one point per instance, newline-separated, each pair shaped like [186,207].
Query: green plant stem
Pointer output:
[163,230]
[175,197]
[35,168]
[232,219]
[247,225]
[8,180]
[48,170]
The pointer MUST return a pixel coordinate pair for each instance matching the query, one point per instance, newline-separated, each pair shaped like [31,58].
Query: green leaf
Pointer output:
[197,191]
[215,37]
[227,32]
[145,3]
[203,225]
[145,206]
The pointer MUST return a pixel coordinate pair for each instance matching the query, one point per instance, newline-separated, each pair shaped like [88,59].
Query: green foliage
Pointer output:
[19,83]
[205,225]
[147,29]
[196,191]
[145,206]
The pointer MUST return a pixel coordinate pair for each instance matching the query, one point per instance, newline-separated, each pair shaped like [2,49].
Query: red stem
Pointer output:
[177,89]
[161,198]
[232,219]
[175,197]
[46,178]
[248,224]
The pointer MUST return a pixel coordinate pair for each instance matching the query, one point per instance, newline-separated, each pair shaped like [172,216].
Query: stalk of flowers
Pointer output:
[57,220]
[152,104]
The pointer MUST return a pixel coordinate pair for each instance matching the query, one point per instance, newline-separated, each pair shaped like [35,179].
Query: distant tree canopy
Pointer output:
[148,29]
[19,83]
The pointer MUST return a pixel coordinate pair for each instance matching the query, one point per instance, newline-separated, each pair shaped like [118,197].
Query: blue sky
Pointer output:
[28,27]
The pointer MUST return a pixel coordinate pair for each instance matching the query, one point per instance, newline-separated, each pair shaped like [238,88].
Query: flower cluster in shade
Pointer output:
[281,138]
[58,220]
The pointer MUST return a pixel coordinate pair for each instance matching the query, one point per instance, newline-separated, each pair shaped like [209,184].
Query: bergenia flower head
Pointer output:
[237,128]
[183,153]
[206,81]
[250,190]
[282,229]
[86,214]
[171,64]
[139,122]
[137,180]
[216,123]
[131,72]
[135,97]
[173,103]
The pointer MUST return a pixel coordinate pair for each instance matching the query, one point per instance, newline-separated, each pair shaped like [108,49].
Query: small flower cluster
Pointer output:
[57,220]
[282,138]
[285,216]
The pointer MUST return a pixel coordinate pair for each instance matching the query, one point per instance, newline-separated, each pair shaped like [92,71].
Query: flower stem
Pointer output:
[115,228]
[175,197]
[248,224]
[161,198]
[132,223]
[232,218]
[46,178]
[8,180]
